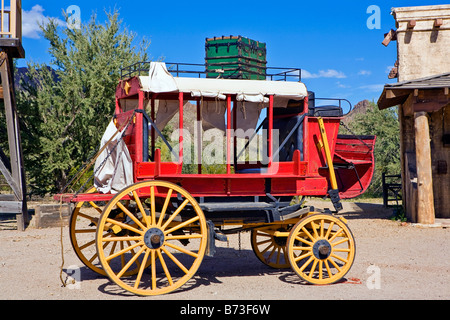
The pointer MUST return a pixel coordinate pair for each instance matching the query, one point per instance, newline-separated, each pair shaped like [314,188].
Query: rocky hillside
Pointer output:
[360,107]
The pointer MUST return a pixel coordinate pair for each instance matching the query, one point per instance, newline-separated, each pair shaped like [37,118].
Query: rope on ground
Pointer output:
[61,242]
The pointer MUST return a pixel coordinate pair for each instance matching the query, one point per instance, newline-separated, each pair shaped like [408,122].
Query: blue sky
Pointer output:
[342,57]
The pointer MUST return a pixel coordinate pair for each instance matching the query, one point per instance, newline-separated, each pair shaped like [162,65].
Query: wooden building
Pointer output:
[423,98]
[11,167]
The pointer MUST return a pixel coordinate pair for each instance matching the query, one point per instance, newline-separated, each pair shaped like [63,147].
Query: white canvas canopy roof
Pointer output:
[251,95]
[160,80]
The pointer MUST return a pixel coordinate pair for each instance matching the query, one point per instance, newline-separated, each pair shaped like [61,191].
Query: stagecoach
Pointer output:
[162,198]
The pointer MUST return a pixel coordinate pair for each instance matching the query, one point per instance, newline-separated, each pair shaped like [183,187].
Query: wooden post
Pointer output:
[17,177]
[153,132]
[425,201]
[228,134]
[199,136]
[180,127]
[270,133]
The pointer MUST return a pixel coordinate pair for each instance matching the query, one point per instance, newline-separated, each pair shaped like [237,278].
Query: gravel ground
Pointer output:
[394,261]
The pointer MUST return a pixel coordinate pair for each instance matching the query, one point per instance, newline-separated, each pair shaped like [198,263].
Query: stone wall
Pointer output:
[423,41]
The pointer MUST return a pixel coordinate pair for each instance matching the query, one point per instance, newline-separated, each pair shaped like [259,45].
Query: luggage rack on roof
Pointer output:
[199,70]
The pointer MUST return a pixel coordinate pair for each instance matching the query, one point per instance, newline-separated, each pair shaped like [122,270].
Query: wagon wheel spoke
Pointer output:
[157,225]
[88,217]
[164,208]
[327,250]
[142,268]
[164,266]
[130,262]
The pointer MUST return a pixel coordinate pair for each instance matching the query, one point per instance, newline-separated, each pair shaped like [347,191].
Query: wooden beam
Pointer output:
[408,108]
[388,37]
[10,180]
[411,24]
[395,93]
[425,199]
[421,100]
[438,22]
[11,207]
[429,106]
[437,94]
[13,130]
[393,73]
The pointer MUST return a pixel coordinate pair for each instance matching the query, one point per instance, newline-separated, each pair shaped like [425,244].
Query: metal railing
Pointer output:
[11,19]
[339,100]
[201,71]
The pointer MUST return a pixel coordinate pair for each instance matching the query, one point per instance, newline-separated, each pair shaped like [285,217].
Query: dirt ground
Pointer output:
[393,262]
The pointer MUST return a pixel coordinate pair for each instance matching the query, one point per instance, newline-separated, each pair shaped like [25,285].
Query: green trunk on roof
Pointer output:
[235,58]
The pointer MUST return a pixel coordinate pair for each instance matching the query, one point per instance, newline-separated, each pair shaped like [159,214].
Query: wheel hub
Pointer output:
[322,249]
[154,238]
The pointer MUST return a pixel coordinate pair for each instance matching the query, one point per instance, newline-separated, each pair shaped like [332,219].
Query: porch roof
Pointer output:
[397,93]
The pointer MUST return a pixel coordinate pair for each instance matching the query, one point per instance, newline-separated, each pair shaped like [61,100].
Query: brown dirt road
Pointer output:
[393,262]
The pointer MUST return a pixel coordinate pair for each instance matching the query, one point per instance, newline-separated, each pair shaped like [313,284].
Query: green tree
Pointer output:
[384,124]
[67,105]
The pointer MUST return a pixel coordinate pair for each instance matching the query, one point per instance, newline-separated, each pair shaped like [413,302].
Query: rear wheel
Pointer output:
[269,249]
[159,216]
[83,226]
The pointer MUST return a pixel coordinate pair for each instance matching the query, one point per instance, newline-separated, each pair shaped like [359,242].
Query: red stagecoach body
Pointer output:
[303,154]
[304,173]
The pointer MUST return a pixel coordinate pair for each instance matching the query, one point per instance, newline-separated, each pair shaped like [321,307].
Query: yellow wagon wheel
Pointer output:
[153,233]
[269,249]
[83,226]
[327,249]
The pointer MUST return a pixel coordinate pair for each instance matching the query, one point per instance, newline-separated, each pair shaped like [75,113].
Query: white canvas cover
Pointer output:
[166,111]
[160,80]
[247,115]
[114,171]
[252,96]
[213,114]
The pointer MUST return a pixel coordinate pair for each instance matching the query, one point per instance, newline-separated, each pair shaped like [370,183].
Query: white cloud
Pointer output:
[364,73]
[32,19]
[373,87]
[341,85]
[330,73]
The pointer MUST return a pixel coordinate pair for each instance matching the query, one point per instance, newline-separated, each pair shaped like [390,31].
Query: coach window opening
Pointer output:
[149,100]
[231,127]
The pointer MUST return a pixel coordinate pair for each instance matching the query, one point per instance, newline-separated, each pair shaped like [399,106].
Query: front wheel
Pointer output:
[327,249]
[152,217]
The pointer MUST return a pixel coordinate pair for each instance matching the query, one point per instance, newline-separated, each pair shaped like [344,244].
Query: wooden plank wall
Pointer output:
[439,125]
[440,157]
